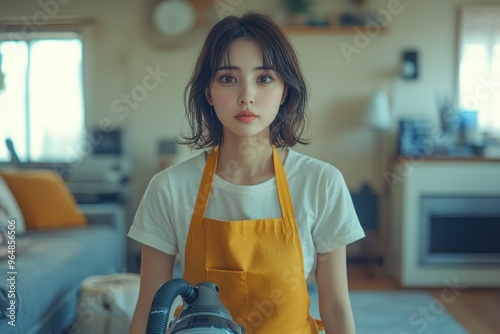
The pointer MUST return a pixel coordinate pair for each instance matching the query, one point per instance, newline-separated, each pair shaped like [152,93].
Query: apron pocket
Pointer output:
[232,291]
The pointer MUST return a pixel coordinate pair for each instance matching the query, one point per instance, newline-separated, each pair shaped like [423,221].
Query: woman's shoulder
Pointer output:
[188,170]
[315,176]
[307,165]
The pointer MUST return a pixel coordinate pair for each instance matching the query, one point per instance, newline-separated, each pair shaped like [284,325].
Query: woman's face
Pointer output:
[246,96]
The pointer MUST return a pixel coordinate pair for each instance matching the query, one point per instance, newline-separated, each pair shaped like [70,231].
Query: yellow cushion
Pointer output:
[44,199]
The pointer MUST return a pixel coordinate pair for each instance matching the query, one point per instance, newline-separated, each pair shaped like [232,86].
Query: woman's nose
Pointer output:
[247,95]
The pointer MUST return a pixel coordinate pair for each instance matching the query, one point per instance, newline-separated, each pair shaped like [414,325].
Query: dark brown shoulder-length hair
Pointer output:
[278,53]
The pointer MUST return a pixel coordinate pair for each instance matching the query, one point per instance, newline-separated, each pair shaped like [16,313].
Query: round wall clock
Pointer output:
[174,18]
[175,23]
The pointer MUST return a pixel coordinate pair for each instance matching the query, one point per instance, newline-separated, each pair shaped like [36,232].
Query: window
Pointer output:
[41,100]
[479,64]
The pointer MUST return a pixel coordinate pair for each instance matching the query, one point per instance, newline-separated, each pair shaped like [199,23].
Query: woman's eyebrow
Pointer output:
[236,68]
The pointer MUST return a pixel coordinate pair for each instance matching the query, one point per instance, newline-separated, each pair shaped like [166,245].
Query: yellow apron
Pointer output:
[257,264]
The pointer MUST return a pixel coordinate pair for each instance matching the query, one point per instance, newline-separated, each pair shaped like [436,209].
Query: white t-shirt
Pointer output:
[323,207]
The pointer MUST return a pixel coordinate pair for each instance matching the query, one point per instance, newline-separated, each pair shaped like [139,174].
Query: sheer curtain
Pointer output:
[479,63]
[41,105]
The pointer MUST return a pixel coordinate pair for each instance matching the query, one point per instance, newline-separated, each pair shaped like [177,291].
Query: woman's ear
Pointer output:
[285,93]
[207,95]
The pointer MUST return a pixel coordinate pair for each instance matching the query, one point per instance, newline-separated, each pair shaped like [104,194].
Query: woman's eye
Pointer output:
[227,79]
[265,79]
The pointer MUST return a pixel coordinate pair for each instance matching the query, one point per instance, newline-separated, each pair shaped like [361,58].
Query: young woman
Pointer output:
[249,213]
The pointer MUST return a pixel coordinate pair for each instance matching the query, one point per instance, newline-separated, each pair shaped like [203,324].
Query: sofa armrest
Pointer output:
[113,216]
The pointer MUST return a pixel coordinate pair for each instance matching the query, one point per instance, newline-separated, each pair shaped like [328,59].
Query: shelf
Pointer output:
[304,29]
[437,158]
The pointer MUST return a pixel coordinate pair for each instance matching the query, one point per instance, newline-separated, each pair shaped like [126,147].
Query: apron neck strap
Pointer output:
[205,189]
[284,196]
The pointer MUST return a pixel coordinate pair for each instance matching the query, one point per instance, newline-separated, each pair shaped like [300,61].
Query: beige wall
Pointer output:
[118,53]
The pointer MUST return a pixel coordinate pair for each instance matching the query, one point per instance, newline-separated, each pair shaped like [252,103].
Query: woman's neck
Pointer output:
[247,161]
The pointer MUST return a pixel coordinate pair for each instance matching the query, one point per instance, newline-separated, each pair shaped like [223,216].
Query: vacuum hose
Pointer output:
[203,312]
[162,302]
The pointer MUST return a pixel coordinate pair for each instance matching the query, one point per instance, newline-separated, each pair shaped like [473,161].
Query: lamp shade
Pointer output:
[378,113]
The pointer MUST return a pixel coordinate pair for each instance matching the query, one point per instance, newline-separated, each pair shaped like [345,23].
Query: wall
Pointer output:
[119,54]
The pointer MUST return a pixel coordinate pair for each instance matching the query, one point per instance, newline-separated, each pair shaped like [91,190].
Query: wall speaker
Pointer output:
[409,65]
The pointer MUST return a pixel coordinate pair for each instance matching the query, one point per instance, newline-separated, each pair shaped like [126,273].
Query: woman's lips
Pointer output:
[246,116]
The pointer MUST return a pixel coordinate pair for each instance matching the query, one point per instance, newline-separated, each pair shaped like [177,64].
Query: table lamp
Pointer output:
[379,116]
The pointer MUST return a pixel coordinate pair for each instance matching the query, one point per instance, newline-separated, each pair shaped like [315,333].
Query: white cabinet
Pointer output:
[412,180]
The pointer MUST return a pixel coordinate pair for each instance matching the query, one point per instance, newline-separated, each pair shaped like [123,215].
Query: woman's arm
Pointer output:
[156,268]
[334,303]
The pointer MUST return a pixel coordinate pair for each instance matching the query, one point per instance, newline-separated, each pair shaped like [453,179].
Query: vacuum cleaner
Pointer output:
[203,312]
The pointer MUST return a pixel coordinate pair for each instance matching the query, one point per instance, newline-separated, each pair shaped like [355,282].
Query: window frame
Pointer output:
[491,130]
[14,32]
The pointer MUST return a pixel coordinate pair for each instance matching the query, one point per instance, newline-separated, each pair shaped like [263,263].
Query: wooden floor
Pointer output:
[478,310]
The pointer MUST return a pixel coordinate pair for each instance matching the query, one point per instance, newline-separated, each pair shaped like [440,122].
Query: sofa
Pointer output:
[51,263]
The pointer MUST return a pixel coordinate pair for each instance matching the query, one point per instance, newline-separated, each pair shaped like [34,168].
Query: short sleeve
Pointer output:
[337,223]
[152,225]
